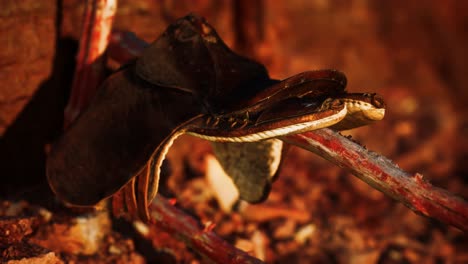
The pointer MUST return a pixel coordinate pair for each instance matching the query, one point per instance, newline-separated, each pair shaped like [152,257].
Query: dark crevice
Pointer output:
[22,147]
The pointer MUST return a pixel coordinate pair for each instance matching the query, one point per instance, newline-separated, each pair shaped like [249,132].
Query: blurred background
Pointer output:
[413,53]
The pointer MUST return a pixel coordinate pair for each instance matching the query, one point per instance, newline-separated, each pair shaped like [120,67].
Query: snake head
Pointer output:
[306,101]
[362,109]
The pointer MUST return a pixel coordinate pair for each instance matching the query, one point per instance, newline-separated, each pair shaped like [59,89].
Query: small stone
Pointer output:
[80,235]
[141,228]
[304,233]
[25,253]
[114,250]
[286,230]
[260,242]
[14,229]
[244,245]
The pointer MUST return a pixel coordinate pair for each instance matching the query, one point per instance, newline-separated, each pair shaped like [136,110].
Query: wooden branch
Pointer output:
[90,64]
[377,171]
[198,237]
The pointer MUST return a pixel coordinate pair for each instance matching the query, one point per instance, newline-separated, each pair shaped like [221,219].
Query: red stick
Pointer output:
[203,240]
[380,173]
[90,63]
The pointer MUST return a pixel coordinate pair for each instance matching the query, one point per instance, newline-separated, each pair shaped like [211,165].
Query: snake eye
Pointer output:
[377,101]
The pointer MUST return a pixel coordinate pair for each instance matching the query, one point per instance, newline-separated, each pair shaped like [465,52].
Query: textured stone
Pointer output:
[83,235]
[14,229]
[27,34]
[25,253]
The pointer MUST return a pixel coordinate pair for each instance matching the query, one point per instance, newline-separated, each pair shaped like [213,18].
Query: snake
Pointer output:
[188,81]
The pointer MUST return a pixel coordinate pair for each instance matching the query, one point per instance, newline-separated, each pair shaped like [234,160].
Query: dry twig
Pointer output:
[380,173]
[198,237]
[90,63]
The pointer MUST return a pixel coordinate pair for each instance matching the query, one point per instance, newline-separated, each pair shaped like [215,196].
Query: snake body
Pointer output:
[189,82]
